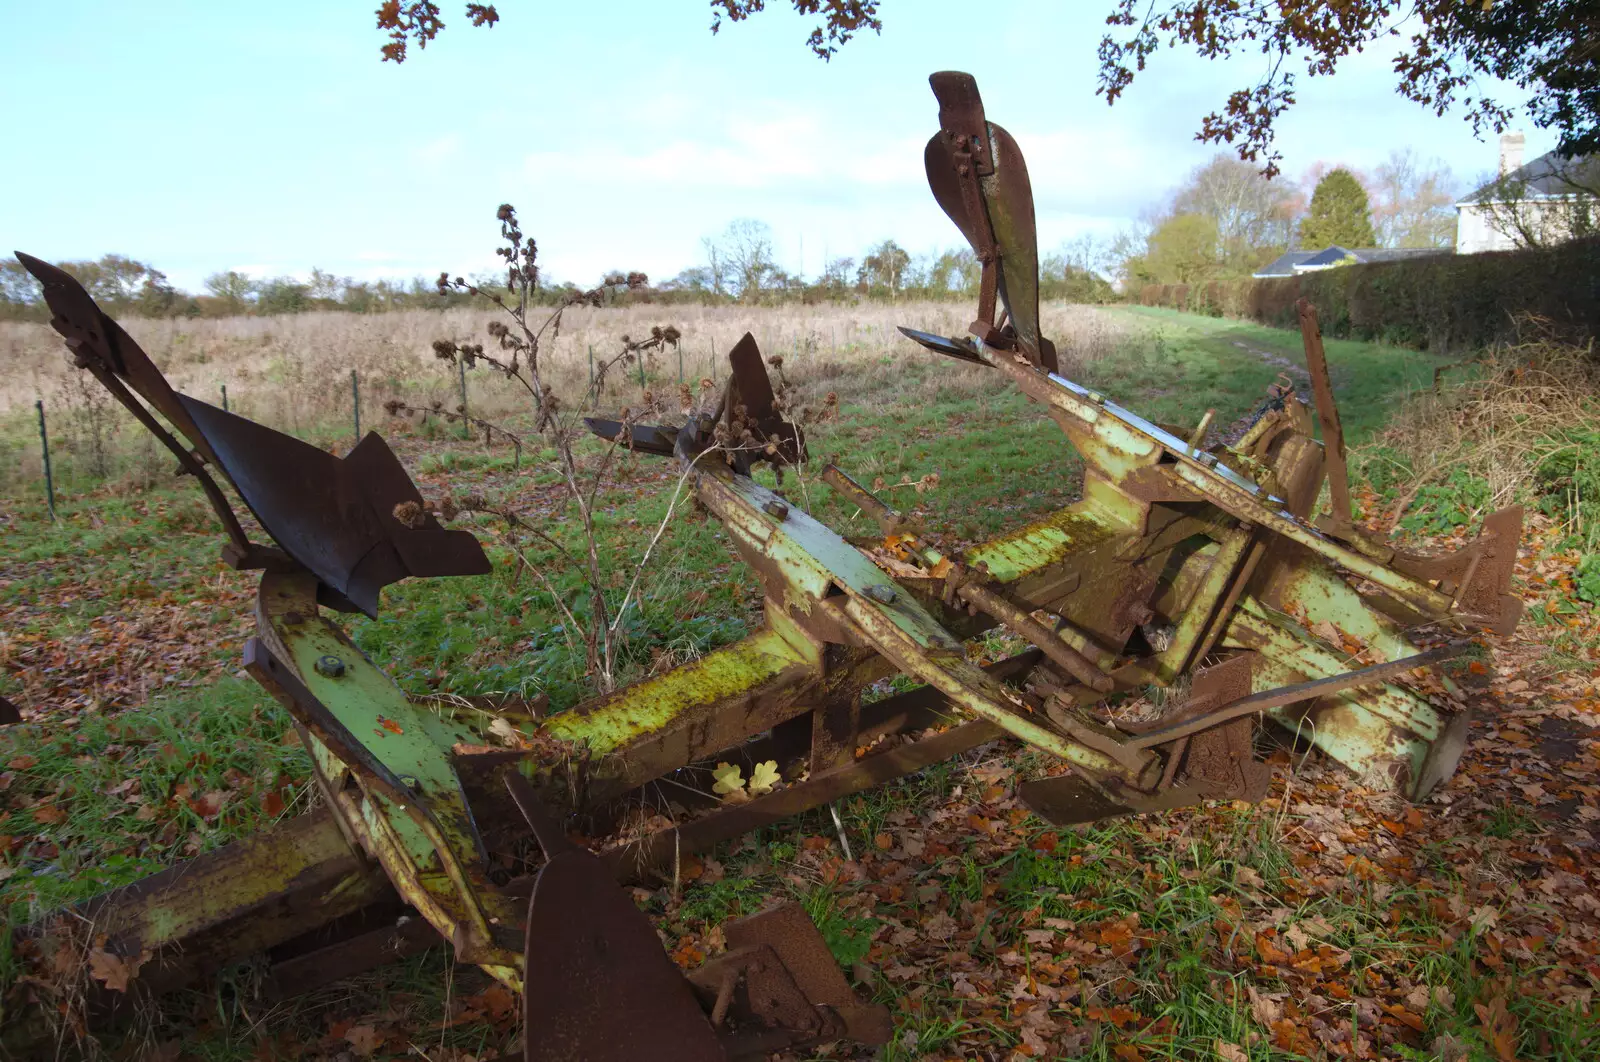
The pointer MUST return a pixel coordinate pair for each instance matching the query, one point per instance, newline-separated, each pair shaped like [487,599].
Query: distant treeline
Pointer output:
[738,270]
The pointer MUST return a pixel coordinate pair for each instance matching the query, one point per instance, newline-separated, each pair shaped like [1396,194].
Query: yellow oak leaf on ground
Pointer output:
[728,782]
[764,777]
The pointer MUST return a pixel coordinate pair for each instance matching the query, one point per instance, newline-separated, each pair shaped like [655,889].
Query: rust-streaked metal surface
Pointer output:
[603,988]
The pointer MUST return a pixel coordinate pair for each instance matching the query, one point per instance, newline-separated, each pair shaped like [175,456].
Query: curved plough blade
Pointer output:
[358,523]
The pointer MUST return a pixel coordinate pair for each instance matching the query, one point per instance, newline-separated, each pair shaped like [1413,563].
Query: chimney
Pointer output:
[1510,152]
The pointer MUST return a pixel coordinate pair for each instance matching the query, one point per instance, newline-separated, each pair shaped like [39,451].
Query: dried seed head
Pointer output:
[447,509]
[671,334]
[507,212]
[498,330]
[776,361]
[444,349]
[637,280]
[411,514]
[393,407]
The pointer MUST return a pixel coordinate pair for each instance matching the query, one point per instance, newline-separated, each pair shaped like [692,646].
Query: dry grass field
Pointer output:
[295,366]
[293,372]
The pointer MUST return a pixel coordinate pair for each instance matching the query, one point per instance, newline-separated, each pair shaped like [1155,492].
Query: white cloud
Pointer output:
[784,150]
[434,154]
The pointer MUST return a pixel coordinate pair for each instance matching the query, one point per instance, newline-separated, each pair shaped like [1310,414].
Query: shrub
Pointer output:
[1448,302]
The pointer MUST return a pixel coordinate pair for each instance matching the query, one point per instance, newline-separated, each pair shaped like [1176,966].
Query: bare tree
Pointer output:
[1412,204]
[716,270]
[739,262]
[748,243]
[838,274]
[1087,253]
[1252,213]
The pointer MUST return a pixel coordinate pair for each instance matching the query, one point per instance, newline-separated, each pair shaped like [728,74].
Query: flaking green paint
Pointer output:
[1042,544]
[1364,728]
[702,685]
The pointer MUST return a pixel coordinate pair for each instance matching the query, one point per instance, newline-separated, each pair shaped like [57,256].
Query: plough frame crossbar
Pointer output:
[1181,561]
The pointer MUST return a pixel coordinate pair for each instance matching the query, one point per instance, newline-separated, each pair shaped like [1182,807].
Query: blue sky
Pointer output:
[203,136]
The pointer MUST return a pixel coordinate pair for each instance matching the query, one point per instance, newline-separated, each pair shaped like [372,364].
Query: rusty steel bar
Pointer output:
[1303,691]
[890,520]
[634,861]
[1078,665]
[1327,413]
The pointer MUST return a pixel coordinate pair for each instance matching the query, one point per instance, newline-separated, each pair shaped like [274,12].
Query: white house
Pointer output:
[1545,201]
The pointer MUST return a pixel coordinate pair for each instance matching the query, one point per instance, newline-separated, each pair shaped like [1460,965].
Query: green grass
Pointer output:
[1369,379]
[1000,462]
[121,780]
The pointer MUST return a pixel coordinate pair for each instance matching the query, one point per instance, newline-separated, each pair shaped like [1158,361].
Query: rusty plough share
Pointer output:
[1179,563]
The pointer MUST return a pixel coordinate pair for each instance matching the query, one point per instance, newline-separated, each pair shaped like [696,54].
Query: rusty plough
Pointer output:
[1198,571]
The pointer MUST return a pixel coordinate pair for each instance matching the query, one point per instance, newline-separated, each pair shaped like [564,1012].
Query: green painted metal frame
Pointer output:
[402,801]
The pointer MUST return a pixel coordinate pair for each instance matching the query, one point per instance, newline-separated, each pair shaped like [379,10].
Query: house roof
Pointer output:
[1547,175]
[1293,262]
[1283,265]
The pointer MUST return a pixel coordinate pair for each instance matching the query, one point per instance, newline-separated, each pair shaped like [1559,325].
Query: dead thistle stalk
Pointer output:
[520,347]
